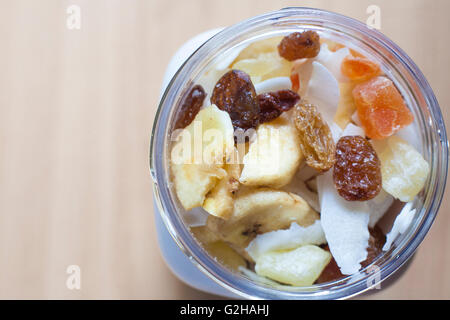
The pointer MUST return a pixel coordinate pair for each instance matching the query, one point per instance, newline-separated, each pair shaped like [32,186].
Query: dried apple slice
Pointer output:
[298,267]
[197,157]
[257,211]
[264,66]
[274,156]
[403,169]
[291,238]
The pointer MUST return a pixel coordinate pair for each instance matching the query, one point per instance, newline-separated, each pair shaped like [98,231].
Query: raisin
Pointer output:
[235,94]
[272,104]
[332,272]
[357,171]
[299,45]
[315,136]
[190,106]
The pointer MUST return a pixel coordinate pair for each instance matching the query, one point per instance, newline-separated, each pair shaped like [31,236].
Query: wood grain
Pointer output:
[76,110]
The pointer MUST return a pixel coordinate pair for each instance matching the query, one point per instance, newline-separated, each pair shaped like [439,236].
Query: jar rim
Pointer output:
[159,171]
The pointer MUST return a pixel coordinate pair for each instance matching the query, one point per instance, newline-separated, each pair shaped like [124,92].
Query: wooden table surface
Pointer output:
[76,111]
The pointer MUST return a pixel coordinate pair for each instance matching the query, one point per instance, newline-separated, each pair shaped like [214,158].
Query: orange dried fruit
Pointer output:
[295,82]
[359,68]
[381,108]
[356,53]
[333,46]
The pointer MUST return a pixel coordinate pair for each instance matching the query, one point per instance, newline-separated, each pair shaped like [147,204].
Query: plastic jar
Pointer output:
[428,136]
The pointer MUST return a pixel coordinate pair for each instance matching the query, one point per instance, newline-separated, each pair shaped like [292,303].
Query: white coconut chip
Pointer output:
[299,187]
[409,134]
[333,60]
[345,224]
[336,131]
[355,119]
[196,217]
[227,57]
[325,100]
[352,130]
[273,84]
[401,223]
[378,206]
[381,203]
[306,172]
[291,238]
[303,68]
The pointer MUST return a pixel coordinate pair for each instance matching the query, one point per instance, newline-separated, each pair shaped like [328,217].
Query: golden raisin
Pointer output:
[316,140]
[299,45]
[272,104]
[190,106]
[235,94]
[357,171]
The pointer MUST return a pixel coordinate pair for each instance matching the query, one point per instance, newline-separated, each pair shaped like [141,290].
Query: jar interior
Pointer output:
[393,65]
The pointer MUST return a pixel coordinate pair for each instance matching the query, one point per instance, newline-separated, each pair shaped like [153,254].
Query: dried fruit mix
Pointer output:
[252,205]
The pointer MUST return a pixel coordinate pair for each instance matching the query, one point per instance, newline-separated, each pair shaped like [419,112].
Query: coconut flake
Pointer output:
[227,57]
[336,131]
[345,224]
[298,186]
[306,172]
[325,100]
[355,119]
[352,130]
[303,68]
[378,206]
[291,238]
[196,217]
[401,223]
[273,84]
[333,60]
[409,134]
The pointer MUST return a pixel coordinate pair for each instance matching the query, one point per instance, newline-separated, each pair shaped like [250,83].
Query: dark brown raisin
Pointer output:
[190,106]
[357,172]
[235,94]
[272,104]
[299,45]
[317,143]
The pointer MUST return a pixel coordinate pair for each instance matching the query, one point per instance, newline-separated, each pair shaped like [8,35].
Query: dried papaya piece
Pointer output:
[359,68]
[381,108]
[333,46]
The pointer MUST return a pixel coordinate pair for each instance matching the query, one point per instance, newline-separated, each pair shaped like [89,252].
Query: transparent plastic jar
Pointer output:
[427,133]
